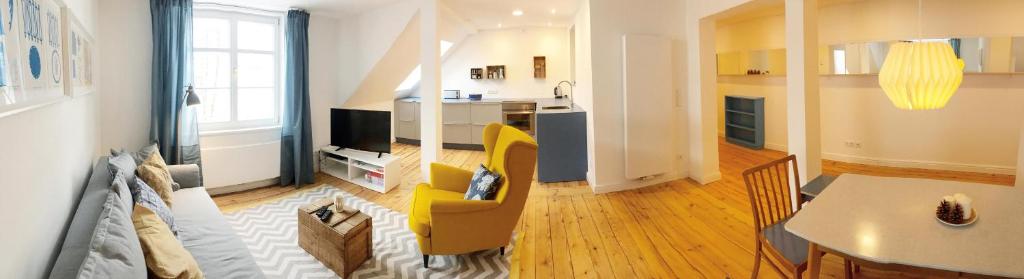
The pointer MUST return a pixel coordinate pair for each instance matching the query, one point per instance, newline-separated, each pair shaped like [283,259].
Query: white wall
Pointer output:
[609,21]
[231,158]
[970,134]
[514,48]
[47,158]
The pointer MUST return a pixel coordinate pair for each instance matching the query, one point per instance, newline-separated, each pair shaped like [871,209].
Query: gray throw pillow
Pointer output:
[122,162]
[114,250]
[484,185]
[148,198]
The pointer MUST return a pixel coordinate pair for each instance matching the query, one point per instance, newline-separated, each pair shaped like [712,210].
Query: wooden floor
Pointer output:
[674,230]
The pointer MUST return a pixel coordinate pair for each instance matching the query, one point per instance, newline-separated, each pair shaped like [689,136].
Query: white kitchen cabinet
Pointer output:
[483,114]
[407,124]
[457,133]
[455,114]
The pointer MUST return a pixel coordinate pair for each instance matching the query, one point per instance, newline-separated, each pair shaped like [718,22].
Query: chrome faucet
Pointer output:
[558,90]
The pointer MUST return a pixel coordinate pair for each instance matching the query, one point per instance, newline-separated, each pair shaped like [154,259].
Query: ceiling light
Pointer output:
[499,25]
[549,24]
[922,74]
[553,11]
[517,12]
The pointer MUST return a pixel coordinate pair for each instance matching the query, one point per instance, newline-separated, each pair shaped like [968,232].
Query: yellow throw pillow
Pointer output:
[154,172]
[165,256]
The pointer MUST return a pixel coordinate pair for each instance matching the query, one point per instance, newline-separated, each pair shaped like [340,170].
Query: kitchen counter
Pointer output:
[541,103]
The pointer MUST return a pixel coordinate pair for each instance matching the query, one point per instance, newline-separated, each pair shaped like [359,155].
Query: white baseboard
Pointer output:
[244,186]
[920,164]
[633,184]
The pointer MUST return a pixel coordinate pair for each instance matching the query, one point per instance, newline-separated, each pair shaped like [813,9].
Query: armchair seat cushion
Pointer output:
[419,214]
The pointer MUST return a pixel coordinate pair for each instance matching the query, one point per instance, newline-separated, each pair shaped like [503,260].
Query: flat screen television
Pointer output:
[364,130]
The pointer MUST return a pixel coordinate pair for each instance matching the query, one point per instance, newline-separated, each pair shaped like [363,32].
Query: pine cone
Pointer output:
[943,210]
[957,215]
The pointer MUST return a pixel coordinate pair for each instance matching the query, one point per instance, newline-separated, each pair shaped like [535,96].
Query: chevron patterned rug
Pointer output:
[270,232]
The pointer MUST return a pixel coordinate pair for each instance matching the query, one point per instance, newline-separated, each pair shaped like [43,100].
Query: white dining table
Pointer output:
[891,221]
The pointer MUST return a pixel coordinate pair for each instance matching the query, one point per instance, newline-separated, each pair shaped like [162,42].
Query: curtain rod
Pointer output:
[248,8]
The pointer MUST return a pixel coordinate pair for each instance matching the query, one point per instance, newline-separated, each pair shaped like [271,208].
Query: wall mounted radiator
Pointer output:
[647,100]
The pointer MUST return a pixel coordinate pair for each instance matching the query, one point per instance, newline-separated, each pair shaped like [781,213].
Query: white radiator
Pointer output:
[647,100]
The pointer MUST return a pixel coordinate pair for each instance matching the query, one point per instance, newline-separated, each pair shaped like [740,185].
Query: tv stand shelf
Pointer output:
[355,166]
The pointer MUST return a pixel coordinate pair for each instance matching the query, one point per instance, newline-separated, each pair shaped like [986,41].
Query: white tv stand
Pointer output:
[353,165]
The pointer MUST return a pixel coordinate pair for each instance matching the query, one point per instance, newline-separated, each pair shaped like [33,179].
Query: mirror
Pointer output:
[980,55]
[753,62]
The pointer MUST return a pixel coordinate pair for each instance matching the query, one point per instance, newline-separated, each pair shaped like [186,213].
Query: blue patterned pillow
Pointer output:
[484,185]
[148,198]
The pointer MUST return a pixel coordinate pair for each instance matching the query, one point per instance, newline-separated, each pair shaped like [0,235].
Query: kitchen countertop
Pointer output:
[541,103]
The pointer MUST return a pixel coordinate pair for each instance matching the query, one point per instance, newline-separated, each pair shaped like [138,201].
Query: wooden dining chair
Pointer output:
[772,202]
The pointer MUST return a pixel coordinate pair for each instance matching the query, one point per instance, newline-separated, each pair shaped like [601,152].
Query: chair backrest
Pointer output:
[512,154]
[770,195]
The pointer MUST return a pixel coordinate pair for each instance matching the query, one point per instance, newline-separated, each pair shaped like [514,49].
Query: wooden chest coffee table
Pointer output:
[341,244]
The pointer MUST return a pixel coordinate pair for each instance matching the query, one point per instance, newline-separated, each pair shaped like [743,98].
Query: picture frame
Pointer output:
[78,56]
[31,46]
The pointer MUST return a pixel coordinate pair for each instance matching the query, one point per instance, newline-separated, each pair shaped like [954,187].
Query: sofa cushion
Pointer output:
[211,240]
[87,217]
[123,163]
[148,198]
[154,172]
[165,256]
[113,250]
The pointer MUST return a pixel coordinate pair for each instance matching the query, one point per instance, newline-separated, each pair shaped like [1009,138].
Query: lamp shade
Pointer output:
[921,75]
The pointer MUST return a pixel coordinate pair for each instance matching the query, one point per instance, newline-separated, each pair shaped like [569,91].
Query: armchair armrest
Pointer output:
[461,206]
[449,178]
[186,176]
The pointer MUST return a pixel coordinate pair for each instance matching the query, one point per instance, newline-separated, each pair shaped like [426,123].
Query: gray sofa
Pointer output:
[202,230]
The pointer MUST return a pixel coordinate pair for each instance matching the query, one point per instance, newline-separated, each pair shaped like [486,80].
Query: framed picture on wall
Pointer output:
[78,49]
[31,67]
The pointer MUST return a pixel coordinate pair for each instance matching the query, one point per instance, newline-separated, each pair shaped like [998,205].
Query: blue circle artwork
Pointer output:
[56,67]
[34,62]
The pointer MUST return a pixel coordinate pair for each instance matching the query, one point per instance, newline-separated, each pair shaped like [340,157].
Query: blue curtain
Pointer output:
[296,142]
[172,72]
[955,43]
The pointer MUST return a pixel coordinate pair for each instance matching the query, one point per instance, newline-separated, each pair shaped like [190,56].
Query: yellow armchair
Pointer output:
[447,224]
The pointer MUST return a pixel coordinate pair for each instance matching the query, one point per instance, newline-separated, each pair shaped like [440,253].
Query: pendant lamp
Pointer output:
[921,75]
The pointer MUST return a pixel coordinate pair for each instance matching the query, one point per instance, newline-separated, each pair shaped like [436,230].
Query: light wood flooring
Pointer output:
[678,229]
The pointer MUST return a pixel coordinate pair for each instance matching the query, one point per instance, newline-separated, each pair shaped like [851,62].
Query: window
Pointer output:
[414,78]
[236,66]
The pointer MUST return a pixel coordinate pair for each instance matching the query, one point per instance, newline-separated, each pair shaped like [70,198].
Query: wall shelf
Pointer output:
[744,121]
[476,73]
[540,67]
[496,72]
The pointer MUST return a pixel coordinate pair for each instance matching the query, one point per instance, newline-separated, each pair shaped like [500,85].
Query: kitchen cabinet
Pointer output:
[407,120]
[457,120]
[481,115]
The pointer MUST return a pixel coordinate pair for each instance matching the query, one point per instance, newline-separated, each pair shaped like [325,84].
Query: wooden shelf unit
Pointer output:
[354,165]
[540,67]
[496,72]
[744,121]
[476,73]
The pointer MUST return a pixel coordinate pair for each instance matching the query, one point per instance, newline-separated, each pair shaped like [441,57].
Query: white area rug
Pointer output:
[270,232]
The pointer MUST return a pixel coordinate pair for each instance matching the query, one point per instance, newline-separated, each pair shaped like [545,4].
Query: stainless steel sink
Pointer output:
[556,107]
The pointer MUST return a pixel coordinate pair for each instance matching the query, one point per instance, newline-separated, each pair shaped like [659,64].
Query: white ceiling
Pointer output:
[487,14]
[325,7]
[484,14]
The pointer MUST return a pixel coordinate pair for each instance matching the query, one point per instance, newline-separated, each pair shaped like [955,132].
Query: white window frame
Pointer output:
[233,16]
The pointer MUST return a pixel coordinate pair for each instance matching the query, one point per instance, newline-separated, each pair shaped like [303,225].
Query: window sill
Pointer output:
[223,132]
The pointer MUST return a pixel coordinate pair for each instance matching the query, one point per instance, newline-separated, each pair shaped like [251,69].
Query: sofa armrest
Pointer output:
[186,176]
[449,178]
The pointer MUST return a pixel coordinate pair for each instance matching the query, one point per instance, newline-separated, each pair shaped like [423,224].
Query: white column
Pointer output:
[702,106]
[803,101]
[430,87]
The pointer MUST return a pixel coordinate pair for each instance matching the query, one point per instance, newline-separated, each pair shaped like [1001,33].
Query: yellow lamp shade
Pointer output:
[921,75]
